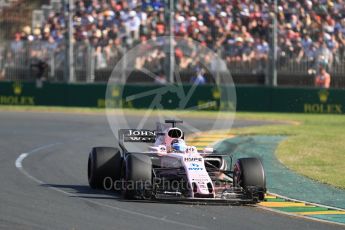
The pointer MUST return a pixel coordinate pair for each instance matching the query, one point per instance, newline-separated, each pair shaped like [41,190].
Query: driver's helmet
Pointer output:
[178,145]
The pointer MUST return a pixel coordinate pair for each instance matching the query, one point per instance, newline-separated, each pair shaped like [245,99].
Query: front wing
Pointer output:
[234,197]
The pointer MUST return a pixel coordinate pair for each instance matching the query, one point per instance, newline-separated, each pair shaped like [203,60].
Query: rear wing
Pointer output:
[137,135]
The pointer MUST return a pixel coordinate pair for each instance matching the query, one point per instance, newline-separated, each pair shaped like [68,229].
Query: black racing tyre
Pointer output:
[104,167]
[249,172]
[137,175]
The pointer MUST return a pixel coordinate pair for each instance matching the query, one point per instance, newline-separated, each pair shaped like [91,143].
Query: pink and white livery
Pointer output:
[167,168]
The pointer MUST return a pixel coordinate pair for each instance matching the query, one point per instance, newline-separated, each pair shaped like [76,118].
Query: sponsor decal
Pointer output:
[216,92]
[137,135]
[323,106]
[195,165]
[115,103]
[207,105]
[191,149]
[139,139]
[17,99]
[141,133]
[116,92]
[17,88]
[192,159]
[115,99]
[323,96]
[194,169]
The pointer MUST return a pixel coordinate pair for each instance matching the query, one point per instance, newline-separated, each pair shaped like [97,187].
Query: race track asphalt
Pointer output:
[50,191]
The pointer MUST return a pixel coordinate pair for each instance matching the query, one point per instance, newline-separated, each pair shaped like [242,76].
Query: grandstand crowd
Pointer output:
[240,30]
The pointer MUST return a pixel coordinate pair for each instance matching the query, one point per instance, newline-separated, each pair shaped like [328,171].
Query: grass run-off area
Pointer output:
[314,147]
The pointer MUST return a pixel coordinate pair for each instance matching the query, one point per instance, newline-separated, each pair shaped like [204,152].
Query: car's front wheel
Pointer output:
[249,173]
[137,175]
[104,167]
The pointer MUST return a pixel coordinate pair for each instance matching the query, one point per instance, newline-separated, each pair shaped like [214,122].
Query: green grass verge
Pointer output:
[315,146]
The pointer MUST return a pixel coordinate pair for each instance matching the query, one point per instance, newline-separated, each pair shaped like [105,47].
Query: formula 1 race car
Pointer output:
[166,168]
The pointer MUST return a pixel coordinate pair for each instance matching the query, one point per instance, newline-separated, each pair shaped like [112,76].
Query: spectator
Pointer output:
[235,50]
[17,50]
[200,78]
[323,55]
[323,79]
[132,25]
[37,66]
[114,52]
[100,58]
[241,29]
[17,44]
[248,50]
[261,49]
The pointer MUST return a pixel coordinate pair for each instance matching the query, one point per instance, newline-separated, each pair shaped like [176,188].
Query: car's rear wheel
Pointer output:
[104,167]
[248,173]
[137,175]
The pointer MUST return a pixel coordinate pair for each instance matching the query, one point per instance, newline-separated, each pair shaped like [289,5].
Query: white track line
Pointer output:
[19,160]
[19,165]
